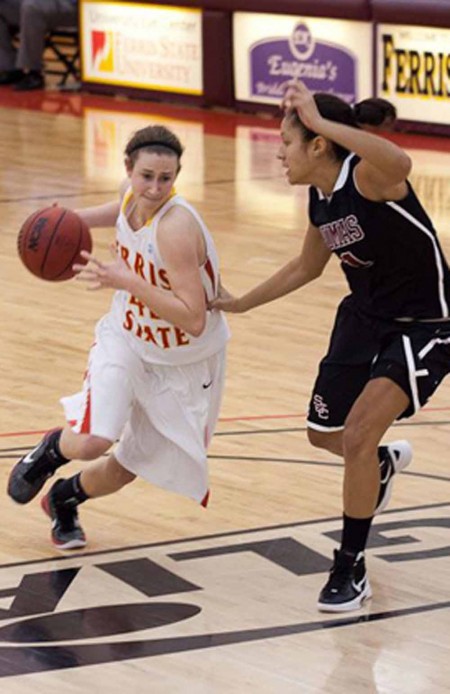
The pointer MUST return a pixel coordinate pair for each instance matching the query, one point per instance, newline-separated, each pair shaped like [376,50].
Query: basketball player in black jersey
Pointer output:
[390,345]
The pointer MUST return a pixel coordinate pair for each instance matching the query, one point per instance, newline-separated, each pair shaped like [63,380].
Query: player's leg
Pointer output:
[336,425]
[392,459]
[164,442]
[343,374]
[57,448]
[380,403]
[166,439]
[61,502]
[97,416]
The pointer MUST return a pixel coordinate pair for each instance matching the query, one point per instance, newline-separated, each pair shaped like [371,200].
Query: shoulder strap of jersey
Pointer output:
[126,199]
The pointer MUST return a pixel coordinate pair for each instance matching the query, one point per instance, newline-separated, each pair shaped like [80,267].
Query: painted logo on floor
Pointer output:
[221,590]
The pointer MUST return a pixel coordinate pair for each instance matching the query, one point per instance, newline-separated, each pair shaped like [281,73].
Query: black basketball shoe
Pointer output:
[67,532]
[347,586]
[29,475]
[393,459]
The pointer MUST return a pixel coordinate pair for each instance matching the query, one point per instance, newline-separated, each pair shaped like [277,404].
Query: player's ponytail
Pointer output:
[375,114]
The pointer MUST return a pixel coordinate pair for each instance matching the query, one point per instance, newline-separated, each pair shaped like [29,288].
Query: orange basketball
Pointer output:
[50,242]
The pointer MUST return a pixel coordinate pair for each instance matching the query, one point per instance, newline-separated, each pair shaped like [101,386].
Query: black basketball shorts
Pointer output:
[416,356]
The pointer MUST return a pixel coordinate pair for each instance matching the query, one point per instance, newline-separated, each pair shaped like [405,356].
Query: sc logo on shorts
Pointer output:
[321,407]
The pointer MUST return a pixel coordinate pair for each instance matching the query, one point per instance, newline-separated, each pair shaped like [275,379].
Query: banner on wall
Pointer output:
[413,71]
[329,55]
[142,46]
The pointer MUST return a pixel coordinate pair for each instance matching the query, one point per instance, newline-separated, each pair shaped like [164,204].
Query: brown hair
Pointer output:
[153,138]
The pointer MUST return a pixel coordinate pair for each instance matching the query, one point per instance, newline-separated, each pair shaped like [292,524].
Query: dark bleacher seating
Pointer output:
[62,55]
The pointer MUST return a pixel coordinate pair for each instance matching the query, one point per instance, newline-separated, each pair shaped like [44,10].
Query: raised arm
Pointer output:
[295,274]
[382,171]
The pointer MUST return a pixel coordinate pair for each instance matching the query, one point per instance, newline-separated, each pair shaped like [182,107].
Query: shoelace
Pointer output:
[340,572]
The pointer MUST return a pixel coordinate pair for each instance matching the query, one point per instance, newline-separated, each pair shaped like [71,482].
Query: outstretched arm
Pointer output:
[295,274]
[100,215]
[104,215]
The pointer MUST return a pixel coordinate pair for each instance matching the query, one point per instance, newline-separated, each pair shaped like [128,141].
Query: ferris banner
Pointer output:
[142,46]
[413,71]
[328,55]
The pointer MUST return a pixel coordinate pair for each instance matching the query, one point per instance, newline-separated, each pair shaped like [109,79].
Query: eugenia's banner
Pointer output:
[143,46]
[413,71]
[328,55]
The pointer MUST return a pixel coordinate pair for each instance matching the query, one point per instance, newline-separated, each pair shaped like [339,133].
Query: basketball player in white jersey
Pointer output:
[390,345]
[155,374]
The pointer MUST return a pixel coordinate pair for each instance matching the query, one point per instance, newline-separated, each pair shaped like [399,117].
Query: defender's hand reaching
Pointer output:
[225,301]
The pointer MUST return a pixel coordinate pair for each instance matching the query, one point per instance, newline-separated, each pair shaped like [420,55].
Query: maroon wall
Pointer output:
[347,9]
[421,12]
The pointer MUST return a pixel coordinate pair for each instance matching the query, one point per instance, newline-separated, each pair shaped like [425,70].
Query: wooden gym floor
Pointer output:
[168,597]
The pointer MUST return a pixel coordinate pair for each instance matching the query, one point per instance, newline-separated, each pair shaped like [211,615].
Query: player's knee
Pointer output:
[92,447]
[318,439]
[357,441]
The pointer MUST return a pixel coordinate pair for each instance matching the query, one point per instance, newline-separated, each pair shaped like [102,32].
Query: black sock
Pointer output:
[354,534]
[69,492]
[46,457]
[54,452]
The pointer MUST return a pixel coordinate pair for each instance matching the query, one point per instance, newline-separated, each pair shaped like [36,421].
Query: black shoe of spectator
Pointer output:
[10,77]
[32,80]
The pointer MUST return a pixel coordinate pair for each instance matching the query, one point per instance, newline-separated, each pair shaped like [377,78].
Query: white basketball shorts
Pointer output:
[162,416]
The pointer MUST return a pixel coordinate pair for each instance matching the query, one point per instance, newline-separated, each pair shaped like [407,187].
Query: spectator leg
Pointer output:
[9,17]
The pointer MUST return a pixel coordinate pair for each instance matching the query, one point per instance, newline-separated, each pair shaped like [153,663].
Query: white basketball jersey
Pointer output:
[154,339]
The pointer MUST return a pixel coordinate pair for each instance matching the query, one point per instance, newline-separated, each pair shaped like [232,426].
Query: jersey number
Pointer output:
[349,259]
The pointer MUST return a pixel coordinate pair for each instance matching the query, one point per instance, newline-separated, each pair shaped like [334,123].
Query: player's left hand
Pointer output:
[300,99]
[100,275]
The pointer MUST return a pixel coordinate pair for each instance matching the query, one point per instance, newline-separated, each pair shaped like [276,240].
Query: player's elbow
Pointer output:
[310,273]
[401,168]
[406,164]
[316,272]
[197,324]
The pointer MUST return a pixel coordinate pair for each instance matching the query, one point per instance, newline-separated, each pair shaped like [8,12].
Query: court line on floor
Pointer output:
[213,536]
[33,659]
[244,418]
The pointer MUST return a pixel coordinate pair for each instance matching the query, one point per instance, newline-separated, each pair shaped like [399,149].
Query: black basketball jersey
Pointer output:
[389,251]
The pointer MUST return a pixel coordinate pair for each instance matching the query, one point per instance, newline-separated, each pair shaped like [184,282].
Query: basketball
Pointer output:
[50,241]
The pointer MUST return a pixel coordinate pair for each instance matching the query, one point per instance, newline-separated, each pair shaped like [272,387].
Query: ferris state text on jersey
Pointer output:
[389,251]
[165,335]
[152,337]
